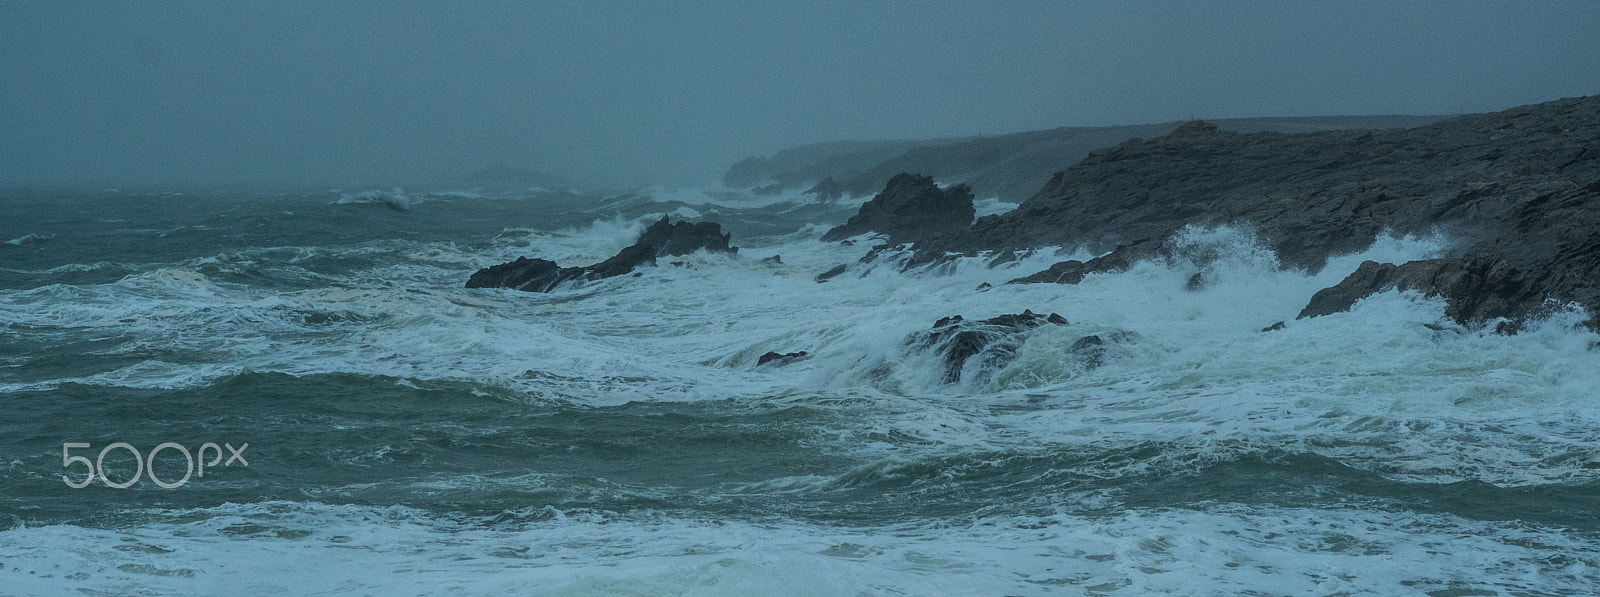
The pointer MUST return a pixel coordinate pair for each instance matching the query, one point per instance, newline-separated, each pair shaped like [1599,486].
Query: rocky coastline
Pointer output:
[1517,193]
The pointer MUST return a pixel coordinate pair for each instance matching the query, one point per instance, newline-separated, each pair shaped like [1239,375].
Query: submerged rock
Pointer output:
[662,238]
[781,358]
[831,273]
[994,340]
[910,208]
[1092,351]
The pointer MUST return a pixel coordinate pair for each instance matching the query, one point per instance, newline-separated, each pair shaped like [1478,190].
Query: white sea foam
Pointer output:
[31,239]
[992,206]
[309,549]
[1375,388]
[1348,385]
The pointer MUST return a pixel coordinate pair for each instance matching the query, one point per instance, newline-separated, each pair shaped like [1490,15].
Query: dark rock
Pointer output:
[1475,289]
[828,275]
[1008,256]
[1517,187]
[984,286]
[1091,350]
[623,262]
[847,243]
[1065,272]
[827,190]
[994,340]
[773,356]
[878,251]
[909,209]
[684,238]
[662,238]
[1274,327]
[775,260]
[532,275]
[1196,283]
[1072,271]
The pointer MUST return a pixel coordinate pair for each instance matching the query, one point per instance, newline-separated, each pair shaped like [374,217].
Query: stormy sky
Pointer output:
[631,92]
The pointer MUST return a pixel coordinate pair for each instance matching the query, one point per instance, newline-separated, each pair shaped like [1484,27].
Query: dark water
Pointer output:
[406,435]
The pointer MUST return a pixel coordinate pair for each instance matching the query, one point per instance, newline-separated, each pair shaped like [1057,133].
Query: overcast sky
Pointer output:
[395,92]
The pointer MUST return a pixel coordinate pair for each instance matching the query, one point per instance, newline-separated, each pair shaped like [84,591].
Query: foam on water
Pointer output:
[1390,388]
[309,549]
[694,332]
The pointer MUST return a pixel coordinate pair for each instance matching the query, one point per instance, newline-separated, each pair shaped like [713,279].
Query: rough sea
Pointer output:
[408,436]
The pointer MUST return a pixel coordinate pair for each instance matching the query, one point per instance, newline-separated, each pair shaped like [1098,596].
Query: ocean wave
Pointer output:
[31,239]
[312,548]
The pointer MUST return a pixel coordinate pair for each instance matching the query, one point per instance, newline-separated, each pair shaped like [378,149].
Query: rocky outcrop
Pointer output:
[1519,188]
[1072,271]
[911,208]
[1481,288]
[532,275]
[827,190]
[995,340]
[662,238]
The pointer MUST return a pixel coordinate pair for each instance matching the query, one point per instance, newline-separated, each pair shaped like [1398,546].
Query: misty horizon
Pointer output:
[621,94]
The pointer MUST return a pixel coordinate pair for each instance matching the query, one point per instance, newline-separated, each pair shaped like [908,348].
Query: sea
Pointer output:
[293,393]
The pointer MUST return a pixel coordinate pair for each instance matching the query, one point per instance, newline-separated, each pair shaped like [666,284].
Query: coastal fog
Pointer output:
[631,93]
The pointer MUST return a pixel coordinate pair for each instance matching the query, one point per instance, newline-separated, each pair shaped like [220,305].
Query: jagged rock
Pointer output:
[1522,185]
[773,356]
[775,260]
[909,209]
[829,275]
[1072,271]
[1475,289]
[662,238]
[684,238]
[995,340]
[532,275]
[1274,327]
[827,190]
